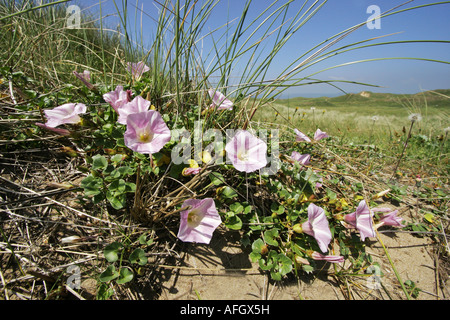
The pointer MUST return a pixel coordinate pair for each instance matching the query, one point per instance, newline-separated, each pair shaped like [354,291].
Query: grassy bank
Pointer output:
[376,119]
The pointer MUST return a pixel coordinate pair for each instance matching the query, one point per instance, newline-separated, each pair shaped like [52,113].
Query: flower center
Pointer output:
[243,155]
[194,218]
[145,137]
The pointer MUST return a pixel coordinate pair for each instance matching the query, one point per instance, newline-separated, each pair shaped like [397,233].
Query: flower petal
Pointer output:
[317,226]
[209,220]
[301,136]
[364,221]
[66,113]
[138,104]
[246,152]
[319,134]
[142,123]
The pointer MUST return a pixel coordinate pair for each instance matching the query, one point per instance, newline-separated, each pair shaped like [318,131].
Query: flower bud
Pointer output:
[264,249]
[300,260]
[297,228]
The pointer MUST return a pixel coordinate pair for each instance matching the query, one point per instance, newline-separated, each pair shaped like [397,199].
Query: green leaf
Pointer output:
[270,235]
[429,217]
[307,268]
[278,209]
[104,292]
[111,251]
[117,201]
[254,256]
[99,162]
[117,158]
[138,256]
[228,193]
[216,178]
[92,185]
[234,223]
[257,245]
[236,207]
[275,275]
[284,264]
[143,240]
[109,274]
[331,195]
[125,275]
[265,265]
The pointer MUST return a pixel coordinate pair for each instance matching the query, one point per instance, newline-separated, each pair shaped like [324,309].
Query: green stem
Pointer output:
[403,151]
[393,267]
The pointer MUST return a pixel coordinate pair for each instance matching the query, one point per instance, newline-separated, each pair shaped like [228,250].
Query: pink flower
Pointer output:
[85,77]
[246,152]
[219,100]
[317,226]
[66,113]
[116,98]
[319,134]
[138,104]
[301,136]
[330,258]
[188,171]
[146,132]
[389,219]
[361,219]
[319,184]
[198,223]
[301,158]
[137,69]
[60,131]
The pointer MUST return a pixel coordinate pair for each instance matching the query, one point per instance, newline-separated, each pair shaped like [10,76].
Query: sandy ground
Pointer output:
[223,271]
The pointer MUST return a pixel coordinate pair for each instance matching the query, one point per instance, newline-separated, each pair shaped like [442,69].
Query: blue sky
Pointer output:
[396,76]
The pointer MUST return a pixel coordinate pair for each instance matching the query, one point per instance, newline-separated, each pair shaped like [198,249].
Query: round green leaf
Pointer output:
[109,274]
[138,256]
[125,275]
[99,162]
[270,235]
[111,251]
[234,223]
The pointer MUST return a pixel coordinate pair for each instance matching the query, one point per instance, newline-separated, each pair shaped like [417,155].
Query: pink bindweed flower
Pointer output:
[303,159]
[219,100]
[319,184]
[389,219]
[317,226]
[138,104]
[361,219]
[188,171]
[199,221]
[63,132]
[300,136]
[85,77]
[116,98]
[66,113]
[330,258]
[137,69]
[146,132]
[319,134]
[246,152]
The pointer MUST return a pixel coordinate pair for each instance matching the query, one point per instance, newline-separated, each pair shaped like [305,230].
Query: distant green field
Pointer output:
[363,117]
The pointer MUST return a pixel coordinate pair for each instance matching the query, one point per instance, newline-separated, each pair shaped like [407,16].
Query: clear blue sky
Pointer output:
[396,76]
